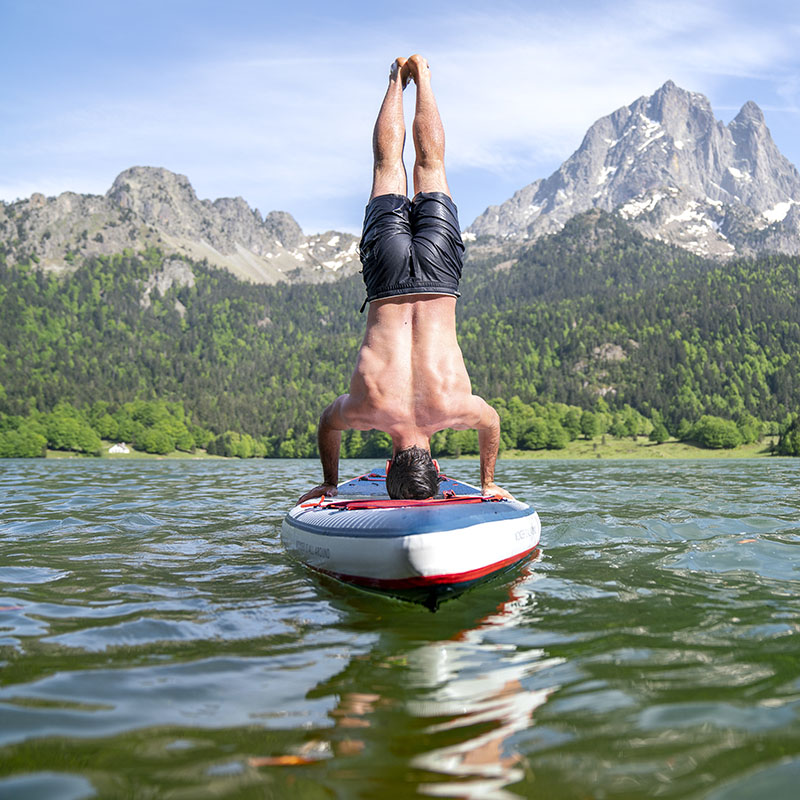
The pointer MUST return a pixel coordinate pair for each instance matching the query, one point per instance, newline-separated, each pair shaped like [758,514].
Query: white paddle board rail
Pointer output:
[419,550]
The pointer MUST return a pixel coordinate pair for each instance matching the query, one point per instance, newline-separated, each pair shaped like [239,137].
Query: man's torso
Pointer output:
[410,377]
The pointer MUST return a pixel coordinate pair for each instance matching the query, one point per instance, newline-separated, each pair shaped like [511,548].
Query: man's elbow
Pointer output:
[490,420]
[325,417]
[331,418]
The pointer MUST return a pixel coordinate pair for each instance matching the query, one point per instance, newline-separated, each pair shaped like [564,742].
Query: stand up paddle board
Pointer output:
[419,550]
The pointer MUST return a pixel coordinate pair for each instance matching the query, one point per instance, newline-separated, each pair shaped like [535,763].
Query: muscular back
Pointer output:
[410,377]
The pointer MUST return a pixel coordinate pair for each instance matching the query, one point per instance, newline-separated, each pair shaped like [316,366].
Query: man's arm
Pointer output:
[329,439]
[489,443]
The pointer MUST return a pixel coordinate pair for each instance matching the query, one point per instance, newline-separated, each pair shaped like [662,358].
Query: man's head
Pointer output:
[412,475]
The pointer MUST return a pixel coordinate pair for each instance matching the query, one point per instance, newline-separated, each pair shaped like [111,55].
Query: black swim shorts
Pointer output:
[411,247]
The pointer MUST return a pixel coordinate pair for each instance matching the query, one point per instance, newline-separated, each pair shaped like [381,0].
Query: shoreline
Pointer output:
[578,450]
[643,448]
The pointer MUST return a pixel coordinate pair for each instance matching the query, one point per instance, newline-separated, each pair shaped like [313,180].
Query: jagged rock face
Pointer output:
[667,165]
[173,272]
[148,206]
[284,228]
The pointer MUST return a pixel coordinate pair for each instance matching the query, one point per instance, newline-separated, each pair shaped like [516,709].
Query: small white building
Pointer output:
[119,447]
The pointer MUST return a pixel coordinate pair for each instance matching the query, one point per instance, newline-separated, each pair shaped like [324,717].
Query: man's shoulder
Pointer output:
[351,411]
[469,411]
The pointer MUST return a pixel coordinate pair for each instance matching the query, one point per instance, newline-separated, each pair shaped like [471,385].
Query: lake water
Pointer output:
[156,641]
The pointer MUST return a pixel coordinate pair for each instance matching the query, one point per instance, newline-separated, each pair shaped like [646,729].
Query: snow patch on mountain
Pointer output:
[779,211]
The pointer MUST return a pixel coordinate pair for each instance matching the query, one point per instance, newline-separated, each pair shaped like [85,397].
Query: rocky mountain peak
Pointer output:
[158,196]
[151,206]
[144,181]
[669,166]
[750,114]
[669,101]
[284,228]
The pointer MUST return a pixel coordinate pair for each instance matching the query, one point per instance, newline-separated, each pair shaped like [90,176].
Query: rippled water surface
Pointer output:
[156,641]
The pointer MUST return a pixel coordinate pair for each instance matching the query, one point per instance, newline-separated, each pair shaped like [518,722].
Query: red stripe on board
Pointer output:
[432,580]
[352,505]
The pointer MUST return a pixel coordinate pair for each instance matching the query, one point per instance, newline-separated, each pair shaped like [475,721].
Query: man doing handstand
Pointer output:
[409,380]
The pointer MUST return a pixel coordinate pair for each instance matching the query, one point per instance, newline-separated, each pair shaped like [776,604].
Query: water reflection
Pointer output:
[455,704]
[480,688]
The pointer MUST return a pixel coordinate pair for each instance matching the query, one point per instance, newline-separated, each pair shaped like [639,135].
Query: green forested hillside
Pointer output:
[595,317]
[598,309]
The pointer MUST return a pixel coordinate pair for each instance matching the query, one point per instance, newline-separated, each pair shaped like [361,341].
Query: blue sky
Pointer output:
[275,101]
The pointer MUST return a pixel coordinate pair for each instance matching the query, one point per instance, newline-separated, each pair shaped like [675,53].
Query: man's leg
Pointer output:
[389,136]
[429,175]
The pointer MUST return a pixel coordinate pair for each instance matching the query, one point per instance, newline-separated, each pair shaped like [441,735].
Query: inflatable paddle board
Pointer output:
[419,550]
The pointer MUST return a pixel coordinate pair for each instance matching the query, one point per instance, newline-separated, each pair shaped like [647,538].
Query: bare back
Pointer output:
[410,379]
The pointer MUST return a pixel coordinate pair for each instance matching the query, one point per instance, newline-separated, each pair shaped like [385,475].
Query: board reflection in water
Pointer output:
[443,715]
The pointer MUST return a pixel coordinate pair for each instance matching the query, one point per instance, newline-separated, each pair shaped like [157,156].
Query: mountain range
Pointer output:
[596,316]
[664,164]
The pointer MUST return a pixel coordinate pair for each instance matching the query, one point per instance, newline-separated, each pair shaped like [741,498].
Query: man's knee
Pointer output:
[388,178]
[429,176]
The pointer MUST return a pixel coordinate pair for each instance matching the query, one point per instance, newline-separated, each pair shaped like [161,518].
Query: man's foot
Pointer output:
[418,68]
[399,69]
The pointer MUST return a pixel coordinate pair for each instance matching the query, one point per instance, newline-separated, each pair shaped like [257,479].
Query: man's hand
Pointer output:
[324,489]
[492,488]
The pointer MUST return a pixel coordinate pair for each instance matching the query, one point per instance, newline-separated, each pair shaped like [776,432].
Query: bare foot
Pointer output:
[400,67]
[418,68]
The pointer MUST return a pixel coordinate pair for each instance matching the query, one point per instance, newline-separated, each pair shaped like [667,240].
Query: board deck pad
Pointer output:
[373,484]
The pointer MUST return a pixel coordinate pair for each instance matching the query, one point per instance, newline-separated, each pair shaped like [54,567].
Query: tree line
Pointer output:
[162,427]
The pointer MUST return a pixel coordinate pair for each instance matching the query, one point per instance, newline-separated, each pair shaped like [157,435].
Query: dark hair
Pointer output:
[412,475]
